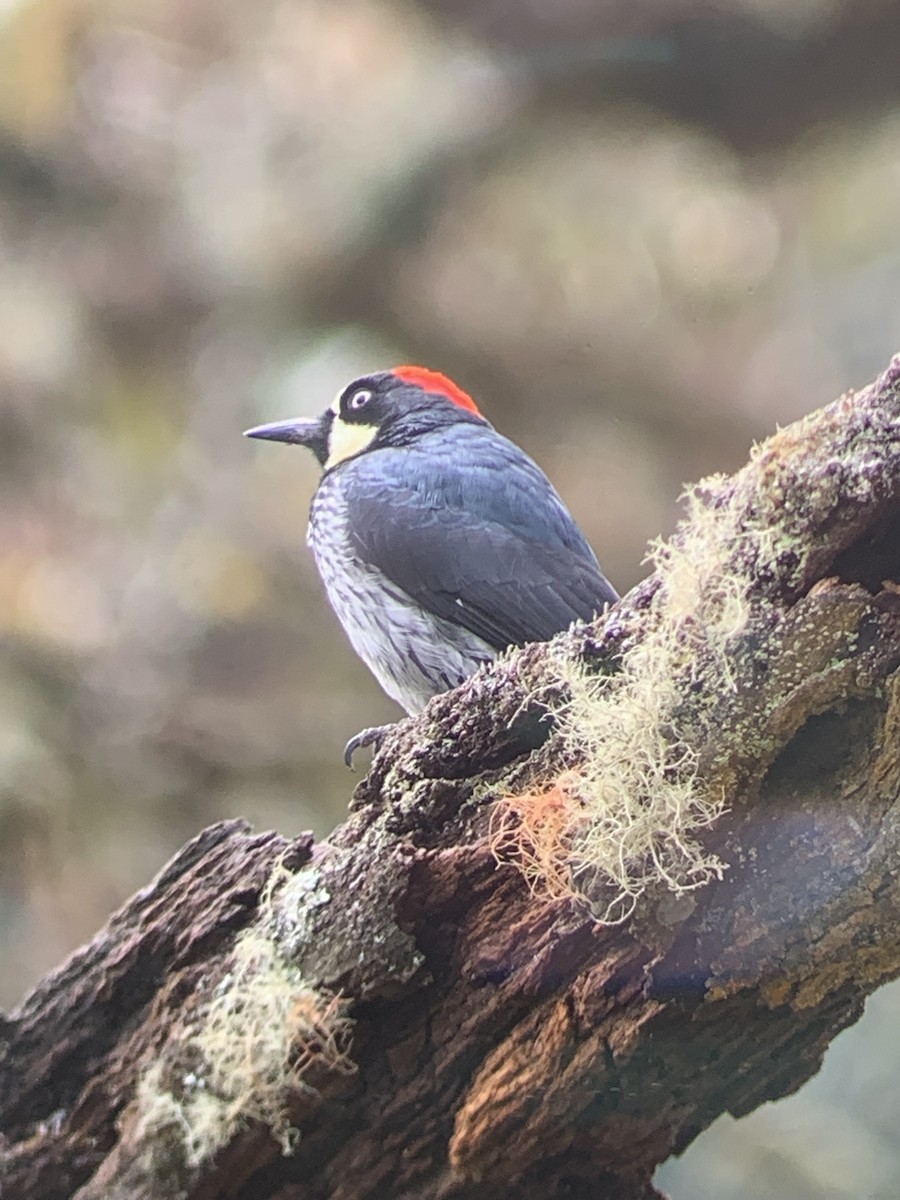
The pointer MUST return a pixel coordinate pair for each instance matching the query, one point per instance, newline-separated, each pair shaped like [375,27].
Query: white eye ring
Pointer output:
[359,399]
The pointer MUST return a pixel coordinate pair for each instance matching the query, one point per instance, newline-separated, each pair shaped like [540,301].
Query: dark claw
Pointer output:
[373,736]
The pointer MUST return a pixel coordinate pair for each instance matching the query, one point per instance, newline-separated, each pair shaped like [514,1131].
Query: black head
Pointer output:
[390,408]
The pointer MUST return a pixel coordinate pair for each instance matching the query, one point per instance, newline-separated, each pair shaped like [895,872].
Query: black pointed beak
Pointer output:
[309,432]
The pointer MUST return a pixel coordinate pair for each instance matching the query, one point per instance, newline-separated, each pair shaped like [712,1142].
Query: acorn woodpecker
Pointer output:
[439,542]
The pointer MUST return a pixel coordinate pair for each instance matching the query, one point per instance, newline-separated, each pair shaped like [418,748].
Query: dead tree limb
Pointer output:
[395,1013]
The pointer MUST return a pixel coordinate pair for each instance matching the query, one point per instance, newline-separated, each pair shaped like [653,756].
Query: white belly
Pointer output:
[413,654]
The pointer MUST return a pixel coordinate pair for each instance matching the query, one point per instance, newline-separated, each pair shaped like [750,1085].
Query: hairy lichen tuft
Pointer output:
[246,1051]
[627,815]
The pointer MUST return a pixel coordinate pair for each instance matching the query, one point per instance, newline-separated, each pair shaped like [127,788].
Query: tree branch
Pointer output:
[426,1004]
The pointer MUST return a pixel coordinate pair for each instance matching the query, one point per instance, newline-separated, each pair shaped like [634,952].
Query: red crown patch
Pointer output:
[434,381]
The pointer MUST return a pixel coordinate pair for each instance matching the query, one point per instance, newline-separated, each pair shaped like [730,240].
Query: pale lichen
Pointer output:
[244,1052]
[626,815]
[628,811]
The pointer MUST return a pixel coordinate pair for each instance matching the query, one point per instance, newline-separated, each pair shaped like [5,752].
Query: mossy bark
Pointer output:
[501,1043]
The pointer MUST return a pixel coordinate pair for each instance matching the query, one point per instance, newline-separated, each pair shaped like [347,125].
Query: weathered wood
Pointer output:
[461,1035]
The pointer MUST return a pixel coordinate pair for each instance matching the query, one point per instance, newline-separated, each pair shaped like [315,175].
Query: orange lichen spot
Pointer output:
[321,1031]
[534,832]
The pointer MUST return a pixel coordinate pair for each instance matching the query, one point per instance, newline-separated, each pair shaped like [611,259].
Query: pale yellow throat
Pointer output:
[346,440]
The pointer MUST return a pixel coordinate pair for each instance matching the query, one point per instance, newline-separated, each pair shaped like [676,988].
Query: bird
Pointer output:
[440,542]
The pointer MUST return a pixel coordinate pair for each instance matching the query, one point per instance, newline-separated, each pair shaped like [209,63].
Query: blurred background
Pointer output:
[640,234]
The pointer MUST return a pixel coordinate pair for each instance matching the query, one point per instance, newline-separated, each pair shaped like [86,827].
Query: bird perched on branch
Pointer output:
[440,542]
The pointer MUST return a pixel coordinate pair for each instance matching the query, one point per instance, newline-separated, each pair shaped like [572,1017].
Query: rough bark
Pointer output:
[459,1034]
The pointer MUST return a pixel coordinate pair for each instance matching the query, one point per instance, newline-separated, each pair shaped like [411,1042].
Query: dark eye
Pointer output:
[359,399]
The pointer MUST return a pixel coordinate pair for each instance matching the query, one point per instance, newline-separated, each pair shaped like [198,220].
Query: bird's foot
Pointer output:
[373,736]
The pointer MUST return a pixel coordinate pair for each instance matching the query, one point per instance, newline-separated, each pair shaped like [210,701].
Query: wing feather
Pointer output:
[502,558]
